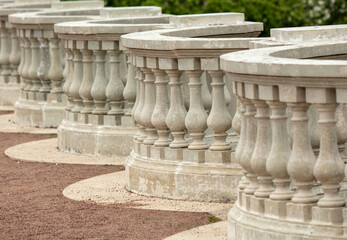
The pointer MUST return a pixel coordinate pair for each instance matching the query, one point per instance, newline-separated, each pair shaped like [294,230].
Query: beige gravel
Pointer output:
[110,188]
[8,125]
[33,152]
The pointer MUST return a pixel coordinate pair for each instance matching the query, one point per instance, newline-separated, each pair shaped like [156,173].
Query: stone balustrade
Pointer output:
[185,144]
[10,52]
[42,100]
[100,81]
[289,191]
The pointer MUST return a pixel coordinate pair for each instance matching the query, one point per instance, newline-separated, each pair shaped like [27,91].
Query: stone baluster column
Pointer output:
[251,133]
[77,81]
[35,62]
[241,144]
[69,77]
[302,158]
[137,101]
[5,51]
[43,69]
[27,62]
[115,87]
[277,160]
[148,107]
[236,122]
[205,93]
[85,90]
[100,84]
[177,112]
[196,119]
[161,109]
[137,114]
[56,69]
[21,65]
[262,150]
[329,168]
[129,92]
[219,119]
[15,57]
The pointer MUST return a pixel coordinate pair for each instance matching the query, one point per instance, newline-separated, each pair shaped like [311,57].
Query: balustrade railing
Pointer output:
[184,146]
[289,191]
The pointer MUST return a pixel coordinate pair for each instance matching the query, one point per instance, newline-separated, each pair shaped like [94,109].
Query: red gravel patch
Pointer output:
[32,205]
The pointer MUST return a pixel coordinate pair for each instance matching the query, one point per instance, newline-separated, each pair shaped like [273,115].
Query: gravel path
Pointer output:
[32,205]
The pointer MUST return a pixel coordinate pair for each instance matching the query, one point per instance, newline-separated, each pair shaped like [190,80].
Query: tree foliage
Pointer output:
[273,13]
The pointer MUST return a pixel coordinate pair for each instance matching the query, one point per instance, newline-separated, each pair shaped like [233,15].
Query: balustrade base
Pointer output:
[43,114]
[182,174]
[262,219]
[83,135]
[9,94]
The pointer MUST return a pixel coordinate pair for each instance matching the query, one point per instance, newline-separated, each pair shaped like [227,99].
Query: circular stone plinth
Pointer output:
[46,151]
[161,177]
[89,139]
[244,225]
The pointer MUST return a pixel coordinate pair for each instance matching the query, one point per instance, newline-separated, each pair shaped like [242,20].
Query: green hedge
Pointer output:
[273,13]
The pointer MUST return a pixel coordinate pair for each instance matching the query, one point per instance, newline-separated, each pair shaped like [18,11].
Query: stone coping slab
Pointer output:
[110,188]
[32,152]
[289,61]
[8,125]
[79,4]
[128,12]
[174,39]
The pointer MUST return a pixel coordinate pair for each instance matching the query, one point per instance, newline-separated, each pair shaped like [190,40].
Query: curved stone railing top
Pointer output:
[294,35]
[282,176]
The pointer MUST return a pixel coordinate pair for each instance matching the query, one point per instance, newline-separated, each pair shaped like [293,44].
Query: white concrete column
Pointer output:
[329,168]
[236,122]
[129,92]
[56,69]
[251,134]
[43,69]
[5,51]
[219,119]
[35,62]
[87,81]
[205,93]
[77,81]
[22,60]
[161,108]
[115,87]
[137,101]
[137,114]
[100,84]
[177,112]
[262,150]
[196,119]
[278,158]
[15,54]
[27,61]
[69,77]
[148,108]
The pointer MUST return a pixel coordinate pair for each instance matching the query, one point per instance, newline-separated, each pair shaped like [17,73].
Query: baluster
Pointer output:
[161,109]
[21,65]
[301,160]
[87,82]
[251,133]
[42,72]
[241,144]
[100,84]
[69,78]
[27,61]
[137,101]
[262,150]
[56,69]
[277,160]
[137,114]
[205,93]
[175,119]
[329,168]
[148,108]
[115,87]
[35,62]
[76,82]
[129,92]
[196,117]
[219,119]
[236,122]
[15,56]
[5,53]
